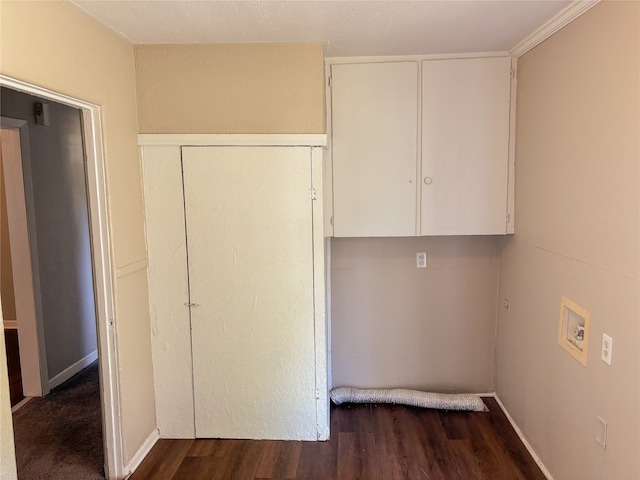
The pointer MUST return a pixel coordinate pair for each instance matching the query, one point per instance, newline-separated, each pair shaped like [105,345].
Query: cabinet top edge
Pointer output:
[412,58]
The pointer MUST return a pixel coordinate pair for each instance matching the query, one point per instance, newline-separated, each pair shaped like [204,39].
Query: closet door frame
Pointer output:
[168,280]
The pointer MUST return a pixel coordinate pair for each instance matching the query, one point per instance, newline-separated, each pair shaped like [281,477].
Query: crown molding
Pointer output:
[561,19]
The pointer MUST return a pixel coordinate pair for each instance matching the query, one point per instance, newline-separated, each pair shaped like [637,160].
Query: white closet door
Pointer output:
[168,291]
[375,138]
[250,256]
[465,145]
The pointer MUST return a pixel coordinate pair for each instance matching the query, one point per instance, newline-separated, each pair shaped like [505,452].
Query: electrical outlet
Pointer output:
[506,304]
[607,348]
[421,260]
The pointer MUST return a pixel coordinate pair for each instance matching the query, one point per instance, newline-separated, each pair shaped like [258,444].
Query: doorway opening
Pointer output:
[49,243]
[86,268]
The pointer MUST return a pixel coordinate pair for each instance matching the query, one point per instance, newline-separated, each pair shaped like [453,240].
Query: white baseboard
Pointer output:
[69,372]
[20,404]
[142,452]
[484,394]
[528,446]
[10,324]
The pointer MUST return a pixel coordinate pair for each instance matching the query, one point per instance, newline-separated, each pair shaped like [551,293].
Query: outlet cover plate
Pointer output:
[506,304]
[607,349]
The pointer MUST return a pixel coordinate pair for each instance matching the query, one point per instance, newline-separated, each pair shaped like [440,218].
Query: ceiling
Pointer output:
[347,28]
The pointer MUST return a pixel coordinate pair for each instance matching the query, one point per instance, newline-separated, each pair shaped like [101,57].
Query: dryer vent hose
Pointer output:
[413,398]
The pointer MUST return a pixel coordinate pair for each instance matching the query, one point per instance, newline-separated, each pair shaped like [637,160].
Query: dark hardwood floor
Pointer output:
[368,442]
[13,364]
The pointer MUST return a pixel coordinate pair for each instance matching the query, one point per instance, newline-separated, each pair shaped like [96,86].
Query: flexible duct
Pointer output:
[414,398]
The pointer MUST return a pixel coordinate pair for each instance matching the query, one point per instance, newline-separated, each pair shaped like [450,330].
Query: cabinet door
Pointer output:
[250,256]
[374,145]
[465,146]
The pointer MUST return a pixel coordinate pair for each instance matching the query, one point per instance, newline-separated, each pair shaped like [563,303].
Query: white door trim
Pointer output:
[26,276]
[319,294]
[103,281]
[234,139]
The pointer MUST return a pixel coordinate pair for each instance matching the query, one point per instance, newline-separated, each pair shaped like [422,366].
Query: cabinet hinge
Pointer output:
[313,194]
[330,81]
[512,73]
[317,393]
[331,220]
[508,218]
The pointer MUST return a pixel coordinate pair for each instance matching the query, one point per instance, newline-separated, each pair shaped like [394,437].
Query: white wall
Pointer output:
[577,235]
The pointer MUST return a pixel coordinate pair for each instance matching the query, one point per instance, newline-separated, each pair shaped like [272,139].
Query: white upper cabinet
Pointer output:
[465,146]
[375,148]
[422,147]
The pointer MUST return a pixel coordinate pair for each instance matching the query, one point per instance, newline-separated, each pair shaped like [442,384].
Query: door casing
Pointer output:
[102,271]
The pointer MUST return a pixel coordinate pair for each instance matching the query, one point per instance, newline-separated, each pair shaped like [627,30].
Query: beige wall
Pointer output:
[52,45]
[256,88]
[393,325]
[577,235]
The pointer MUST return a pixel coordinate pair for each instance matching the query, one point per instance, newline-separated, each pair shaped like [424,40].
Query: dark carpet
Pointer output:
[59,437]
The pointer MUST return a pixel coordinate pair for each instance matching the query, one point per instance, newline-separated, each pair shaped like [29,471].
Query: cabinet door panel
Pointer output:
[465,144]
[374,145]
[250,255]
